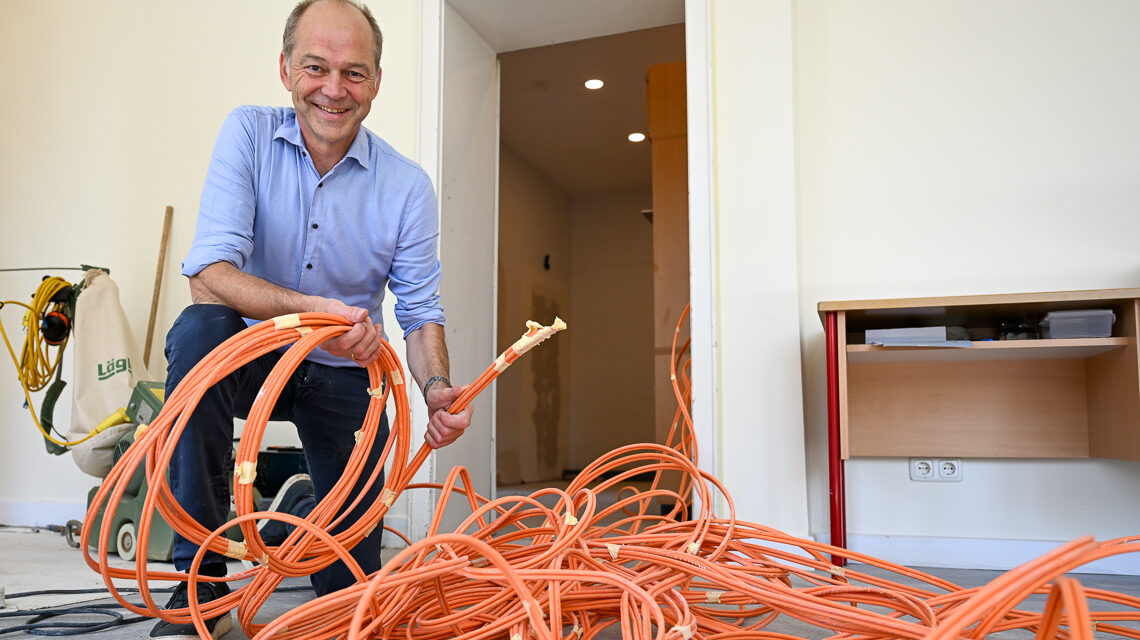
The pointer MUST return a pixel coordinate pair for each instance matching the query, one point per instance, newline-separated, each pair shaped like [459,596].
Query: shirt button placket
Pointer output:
[309,265]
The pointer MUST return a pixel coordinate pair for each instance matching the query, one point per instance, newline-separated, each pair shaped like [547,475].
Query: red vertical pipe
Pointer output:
[834,460]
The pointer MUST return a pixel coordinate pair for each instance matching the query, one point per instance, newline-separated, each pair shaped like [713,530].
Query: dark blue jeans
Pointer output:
[327,405]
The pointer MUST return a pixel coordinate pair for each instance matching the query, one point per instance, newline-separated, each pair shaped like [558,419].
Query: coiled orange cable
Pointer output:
[517,567]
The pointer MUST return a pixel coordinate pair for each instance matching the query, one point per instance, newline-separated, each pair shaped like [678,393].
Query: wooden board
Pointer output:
[1033,408]
[1114,396]
[665,104]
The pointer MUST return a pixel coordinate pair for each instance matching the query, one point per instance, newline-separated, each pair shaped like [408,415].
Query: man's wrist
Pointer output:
[434,379]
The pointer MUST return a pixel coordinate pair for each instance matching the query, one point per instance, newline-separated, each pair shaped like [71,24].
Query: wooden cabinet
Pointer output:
[1044,398]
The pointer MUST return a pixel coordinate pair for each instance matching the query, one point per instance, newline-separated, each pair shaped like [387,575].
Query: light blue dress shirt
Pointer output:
[369,223]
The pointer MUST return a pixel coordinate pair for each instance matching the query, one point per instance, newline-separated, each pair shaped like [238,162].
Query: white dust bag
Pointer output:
[108,363]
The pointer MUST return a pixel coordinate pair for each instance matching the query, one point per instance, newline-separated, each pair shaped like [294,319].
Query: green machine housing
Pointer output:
[145,403]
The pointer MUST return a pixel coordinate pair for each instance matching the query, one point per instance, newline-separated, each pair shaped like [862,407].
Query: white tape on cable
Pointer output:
[235,550]
[287,321]
[245,471]
[501,364]
[388,497]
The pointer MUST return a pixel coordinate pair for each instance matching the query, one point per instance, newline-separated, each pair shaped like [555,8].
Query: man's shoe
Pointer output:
[207,591]
[296,490]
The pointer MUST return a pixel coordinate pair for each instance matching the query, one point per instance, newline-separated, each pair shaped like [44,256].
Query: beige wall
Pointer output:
[533,402]
[114,117]
[612,338]
[590,389]
[890,148]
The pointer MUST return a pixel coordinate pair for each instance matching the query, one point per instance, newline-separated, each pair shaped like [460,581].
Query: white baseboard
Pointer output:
[399,523]
[21,513]
[915,551]
[17,513]
[976,553]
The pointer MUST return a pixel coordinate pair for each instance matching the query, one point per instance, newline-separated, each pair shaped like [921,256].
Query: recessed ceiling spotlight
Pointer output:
[636,136]
[594,84]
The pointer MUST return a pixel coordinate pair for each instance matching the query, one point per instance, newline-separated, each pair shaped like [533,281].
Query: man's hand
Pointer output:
[444,428]
[362,343]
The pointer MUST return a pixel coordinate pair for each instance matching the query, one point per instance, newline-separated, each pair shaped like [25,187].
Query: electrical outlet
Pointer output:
[935,469]
[922,469]
[948,469]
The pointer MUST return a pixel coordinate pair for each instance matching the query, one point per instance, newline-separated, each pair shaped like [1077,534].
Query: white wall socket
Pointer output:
[935,469]
[922,469]
[948,469]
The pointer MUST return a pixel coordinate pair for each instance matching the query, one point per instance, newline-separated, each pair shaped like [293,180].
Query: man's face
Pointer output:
[332,75]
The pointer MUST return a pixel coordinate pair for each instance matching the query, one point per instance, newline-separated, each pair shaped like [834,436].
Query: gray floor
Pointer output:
[32,560]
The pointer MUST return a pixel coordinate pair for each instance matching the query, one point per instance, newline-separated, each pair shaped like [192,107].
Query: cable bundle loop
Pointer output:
[558,565]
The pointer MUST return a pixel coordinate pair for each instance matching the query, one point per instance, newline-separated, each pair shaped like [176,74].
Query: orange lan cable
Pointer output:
[517,567]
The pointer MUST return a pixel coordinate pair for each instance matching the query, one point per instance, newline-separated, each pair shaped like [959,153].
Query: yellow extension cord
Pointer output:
[35,367]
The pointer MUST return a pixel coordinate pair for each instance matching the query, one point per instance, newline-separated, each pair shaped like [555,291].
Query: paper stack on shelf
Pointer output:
[919,337]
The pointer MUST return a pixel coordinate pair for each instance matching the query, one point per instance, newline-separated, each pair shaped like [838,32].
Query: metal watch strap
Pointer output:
[434,379]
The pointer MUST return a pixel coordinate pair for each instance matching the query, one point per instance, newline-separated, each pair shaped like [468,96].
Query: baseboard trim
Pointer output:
[914,551]
[399,523]
[15,513]
[977,553]
[21,513]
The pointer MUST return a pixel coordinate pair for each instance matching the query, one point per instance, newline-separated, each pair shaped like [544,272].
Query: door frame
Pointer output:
[702,216]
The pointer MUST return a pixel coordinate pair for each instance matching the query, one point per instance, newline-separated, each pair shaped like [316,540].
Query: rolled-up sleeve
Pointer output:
[415,273]
[226,212]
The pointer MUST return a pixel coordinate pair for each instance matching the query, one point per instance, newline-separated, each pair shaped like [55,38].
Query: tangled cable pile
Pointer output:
[518,567]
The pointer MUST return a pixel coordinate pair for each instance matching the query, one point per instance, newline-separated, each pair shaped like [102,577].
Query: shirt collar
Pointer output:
[290,131]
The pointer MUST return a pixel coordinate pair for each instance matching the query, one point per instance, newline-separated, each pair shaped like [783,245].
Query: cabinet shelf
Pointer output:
[1049,349]
[1048,398]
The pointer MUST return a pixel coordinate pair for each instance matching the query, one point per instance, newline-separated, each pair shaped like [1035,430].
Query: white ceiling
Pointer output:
[509,25]
[548,48]
[579,137]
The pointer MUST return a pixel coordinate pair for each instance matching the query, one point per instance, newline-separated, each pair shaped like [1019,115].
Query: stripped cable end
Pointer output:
[536,334]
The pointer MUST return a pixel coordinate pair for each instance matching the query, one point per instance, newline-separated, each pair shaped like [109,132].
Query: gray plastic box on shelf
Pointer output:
[1085,323]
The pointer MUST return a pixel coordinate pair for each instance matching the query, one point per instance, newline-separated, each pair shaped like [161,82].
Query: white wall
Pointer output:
[113,117]
[761,433]
[960,148]
[470,109]
[938,149]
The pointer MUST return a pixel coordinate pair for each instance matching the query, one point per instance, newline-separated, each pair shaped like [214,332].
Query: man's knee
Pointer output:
[197,331]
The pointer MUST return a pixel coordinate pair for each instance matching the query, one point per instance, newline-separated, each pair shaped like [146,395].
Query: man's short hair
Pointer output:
[289,38]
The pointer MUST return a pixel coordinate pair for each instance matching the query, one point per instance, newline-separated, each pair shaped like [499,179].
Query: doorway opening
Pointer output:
[577,240]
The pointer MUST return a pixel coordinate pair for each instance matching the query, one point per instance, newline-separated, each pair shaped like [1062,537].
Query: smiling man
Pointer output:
[330,63]
[304,209]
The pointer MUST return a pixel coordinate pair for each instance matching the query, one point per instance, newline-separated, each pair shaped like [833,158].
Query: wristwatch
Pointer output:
[435,379]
